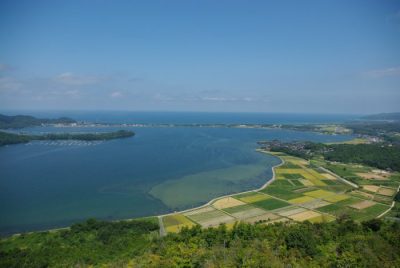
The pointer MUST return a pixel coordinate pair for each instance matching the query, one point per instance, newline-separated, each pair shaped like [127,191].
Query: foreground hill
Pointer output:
[342,243]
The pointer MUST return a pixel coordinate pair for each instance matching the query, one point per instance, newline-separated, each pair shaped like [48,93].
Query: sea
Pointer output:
[53,184]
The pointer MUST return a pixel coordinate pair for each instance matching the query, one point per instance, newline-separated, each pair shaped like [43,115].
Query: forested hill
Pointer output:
[379,155]
[21,121]
[11,138]
[342,243]
[383,116]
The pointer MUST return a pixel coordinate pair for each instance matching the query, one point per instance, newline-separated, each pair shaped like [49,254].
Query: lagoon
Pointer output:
[53,184]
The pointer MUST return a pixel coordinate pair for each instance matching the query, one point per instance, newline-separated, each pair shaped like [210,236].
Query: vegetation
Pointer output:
[383,116]
[21,121]
[343,243]
[375,155]
[379,155]
[11,138]
[91,242]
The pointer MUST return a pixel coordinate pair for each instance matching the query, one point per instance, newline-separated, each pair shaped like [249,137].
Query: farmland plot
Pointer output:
[211,218]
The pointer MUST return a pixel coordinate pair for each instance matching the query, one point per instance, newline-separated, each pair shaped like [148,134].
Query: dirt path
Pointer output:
[162,230]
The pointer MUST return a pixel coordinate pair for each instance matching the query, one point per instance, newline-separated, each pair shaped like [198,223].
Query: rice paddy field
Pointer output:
[301,191]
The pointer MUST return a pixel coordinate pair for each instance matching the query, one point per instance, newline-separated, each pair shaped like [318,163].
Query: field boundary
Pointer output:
[340,178]
[393,203]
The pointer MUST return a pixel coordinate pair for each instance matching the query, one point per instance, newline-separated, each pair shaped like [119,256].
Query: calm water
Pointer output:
[53,184]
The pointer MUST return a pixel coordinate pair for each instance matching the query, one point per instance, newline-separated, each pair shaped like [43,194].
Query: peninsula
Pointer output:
[7,138]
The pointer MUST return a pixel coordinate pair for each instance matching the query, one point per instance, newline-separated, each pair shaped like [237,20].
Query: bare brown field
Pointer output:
[386,191]
[382,172]
[227,202]
[363,204]
[371,188]
[372,176]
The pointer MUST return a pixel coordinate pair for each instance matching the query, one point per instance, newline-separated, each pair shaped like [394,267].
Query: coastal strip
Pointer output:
[162,229]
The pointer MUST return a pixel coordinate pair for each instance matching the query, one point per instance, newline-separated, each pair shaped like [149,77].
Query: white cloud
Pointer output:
[77,80]
[116,94]
[221,99]
[393,71]
[9,83]
[161,97]
[228,99]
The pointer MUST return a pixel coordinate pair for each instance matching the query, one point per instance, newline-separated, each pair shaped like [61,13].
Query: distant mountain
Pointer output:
[21,121]
[383,116]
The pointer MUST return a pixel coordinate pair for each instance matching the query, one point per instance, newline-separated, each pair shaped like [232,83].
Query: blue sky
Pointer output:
[254,56]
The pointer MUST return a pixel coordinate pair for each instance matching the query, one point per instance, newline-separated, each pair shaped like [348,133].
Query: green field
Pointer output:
[271,204]
[252,197]
[284,192]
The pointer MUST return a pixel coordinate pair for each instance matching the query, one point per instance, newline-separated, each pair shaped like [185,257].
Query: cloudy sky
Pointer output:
[255,56]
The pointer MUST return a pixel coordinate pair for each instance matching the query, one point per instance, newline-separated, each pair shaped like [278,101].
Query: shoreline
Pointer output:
[159,217]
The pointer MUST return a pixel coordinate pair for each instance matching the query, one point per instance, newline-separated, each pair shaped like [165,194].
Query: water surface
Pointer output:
[53,184]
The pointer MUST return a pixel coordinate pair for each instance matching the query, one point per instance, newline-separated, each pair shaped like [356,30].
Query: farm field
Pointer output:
[174,223]
[301,191]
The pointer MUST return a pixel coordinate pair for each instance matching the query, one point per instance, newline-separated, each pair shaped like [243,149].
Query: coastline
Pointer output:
[162,232]
[159,217]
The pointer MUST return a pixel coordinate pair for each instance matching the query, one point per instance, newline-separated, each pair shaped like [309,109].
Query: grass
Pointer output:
[301,200]
[322,218]
[238,209]
[288,165]
[331,182]
[249,213]
[336,198]
[271,204]
[297,182]
[370,213]
[254,197]
[292,176]
[302,172]
[207,215]
[212,218]
[318,193]
[290,188]
[353,141]
[283,193]
[383,199]
[176,219]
